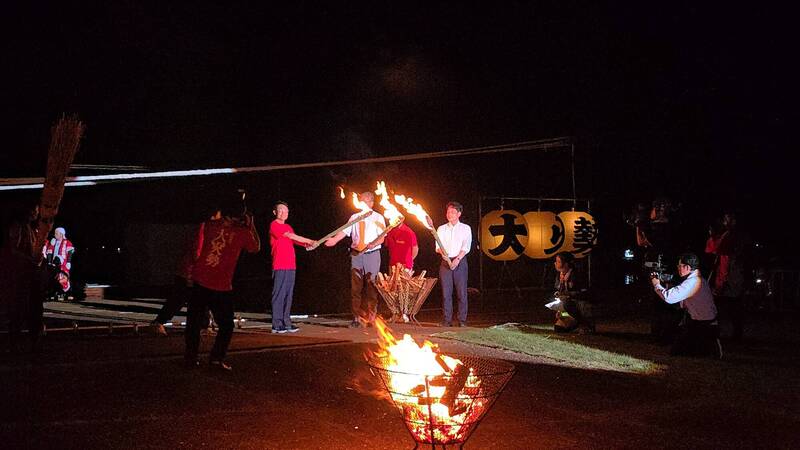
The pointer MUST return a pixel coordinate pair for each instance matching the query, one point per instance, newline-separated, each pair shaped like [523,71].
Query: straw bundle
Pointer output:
[403,292]
[65,137]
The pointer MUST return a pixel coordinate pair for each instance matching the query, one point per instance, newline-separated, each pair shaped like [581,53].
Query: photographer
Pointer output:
[699,334]
[223,239]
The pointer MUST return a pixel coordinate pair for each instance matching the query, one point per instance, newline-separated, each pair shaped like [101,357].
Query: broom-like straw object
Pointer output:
[65,137]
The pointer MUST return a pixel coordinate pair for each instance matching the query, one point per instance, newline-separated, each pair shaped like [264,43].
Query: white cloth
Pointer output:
[374,225]
[695,294]
[455,238]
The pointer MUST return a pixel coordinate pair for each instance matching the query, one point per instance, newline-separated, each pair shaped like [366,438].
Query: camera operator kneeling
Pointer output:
[699,335]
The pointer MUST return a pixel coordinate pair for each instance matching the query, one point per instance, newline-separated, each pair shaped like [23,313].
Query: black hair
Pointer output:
[690,259]
[567,258]
[455,205]
[279,202]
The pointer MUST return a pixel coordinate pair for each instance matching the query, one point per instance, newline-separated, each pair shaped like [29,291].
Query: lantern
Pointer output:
[580,232]
[504,235]
[545,234]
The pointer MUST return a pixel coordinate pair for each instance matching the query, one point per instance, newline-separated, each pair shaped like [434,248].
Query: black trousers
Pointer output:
[221,305]
[178,295]
[697,338]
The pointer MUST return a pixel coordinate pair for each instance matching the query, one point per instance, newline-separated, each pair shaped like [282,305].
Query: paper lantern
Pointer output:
[580,232]
[504,235]
[545,234]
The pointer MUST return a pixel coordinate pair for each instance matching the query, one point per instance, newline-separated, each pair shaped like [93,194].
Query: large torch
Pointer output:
[389,211]
[358,204]
[417,210]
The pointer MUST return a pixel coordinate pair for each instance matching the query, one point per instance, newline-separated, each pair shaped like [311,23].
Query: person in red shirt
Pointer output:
[223,240]
[402,244]
[282,240]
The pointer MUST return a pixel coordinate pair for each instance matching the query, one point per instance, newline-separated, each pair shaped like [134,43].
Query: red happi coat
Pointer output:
[64,254]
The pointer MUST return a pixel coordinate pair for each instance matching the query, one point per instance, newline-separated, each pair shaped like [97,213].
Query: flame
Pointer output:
[341,192]
[418,378]
[389,210]
[416,209]
[359,204]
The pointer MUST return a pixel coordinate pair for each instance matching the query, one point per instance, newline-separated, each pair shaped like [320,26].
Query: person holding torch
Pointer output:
[456,238]
[365,261]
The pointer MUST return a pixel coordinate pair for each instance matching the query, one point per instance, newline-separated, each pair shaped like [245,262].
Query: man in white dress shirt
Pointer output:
[700,333]
[363,266]
[456,238]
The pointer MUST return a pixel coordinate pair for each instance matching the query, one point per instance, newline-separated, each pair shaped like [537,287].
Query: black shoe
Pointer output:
[355,324]
[220,365]
[292,329]
[445,324]
[278,330]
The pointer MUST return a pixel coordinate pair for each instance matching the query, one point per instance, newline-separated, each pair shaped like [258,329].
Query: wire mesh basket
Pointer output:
[444,409]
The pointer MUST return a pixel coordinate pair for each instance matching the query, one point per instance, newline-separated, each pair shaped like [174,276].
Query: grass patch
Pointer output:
[540,342]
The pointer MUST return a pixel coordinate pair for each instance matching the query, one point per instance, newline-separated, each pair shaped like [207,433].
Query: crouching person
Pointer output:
[573,309]
[223,239]
[699,334]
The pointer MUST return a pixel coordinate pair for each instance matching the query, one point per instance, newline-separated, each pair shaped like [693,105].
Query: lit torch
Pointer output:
[417,210]
[389,211]
[358,204]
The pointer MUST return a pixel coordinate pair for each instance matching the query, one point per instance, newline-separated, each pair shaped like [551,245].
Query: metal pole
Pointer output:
[480,249]
[589,264]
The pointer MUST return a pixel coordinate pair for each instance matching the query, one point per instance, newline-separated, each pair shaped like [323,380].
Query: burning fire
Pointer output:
[389,210]
[415,209]
[341,192]
[439,396]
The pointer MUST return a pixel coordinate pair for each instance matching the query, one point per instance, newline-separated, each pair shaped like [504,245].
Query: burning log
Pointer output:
[454,386]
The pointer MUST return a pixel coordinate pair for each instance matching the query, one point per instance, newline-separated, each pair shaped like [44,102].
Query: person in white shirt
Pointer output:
[700,332]
[364,266]
[456,238]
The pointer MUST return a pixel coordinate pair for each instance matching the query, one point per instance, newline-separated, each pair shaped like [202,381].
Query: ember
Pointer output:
[442,399]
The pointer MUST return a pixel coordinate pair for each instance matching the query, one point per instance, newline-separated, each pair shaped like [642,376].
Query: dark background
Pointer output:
[693,102]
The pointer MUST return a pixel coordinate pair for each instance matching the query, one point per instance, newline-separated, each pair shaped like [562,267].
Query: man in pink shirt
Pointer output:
[282,239]
[402,244]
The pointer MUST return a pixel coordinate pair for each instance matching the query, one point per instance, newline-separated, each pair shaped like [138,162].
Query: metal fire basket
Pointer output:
[468,394]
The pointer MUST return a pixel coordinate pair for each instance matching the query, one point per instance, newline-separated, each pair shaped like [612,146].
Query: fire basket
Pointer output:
[403,292]
[444,409]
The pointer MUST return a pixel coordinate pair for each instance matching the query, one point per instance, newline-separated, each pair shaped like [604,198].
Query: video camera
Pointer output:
[658,269]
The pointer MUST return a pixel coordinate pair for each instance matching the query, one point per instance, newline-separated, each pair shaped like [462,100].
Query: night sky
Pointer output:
[679,99]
